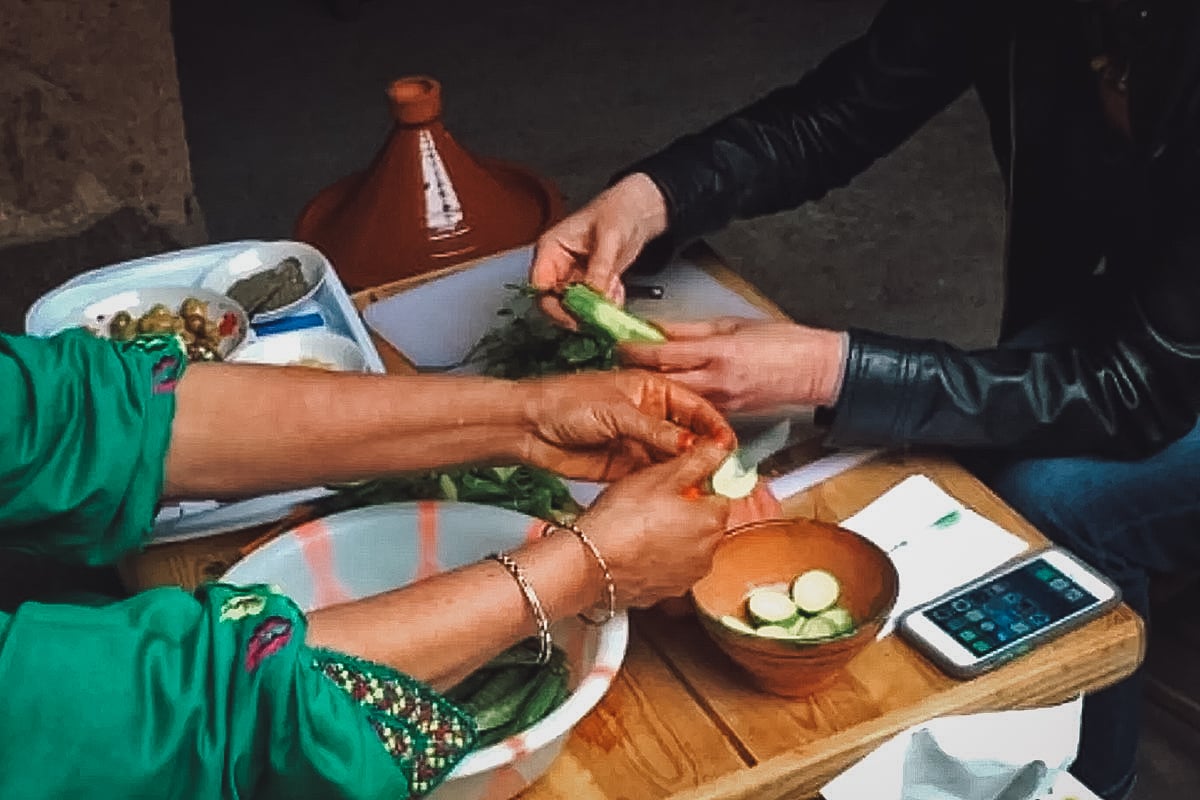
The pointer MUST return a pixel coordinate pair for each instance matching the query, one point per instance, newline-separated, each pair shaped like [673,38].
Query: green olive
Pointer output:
[195,323]
[122,327]
[192,306]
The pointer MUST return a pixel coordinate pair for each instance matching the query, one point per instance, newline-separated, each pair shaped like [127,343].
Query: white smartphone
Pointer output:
[1008,612]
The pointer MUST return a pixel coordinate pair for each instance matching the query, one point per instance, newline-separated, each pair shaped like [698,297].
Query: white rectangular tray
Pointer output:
[52,311]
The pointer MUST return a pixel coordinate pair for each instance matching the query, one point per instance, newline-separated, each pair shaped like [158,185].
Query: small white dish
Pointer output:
[267,256]
[318,347]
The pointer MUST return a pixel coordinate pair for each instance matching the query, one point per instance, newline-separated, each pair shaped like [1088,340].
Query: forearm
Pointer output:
[440,629]
[242,430]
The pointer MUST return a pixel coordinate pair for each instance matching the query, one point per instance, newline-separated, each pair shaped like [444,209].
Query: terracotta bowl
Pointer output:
[774,552]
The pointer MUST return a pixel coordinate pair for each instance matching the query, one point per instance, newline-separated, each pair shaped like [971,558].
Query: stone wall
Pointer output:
[93,158]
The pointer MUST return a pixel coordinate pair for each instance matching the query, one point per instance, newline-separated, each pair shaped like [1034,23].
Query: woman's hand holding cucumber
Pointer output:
[597,243]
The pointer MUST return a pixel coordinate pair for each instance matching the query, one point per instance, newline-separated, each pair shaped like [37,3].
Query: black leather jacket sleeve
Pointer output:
[1125,394]
[801,141]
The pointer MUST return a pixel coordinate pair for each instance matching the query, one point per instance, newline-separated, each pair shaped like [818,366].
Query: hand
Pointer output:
[748,365]
[760,505]
[656,541]
[598,243]
[600,426]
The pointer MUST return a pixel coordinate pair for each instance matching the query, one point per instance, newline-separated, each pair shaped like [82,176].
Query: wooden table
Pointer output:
[680,722]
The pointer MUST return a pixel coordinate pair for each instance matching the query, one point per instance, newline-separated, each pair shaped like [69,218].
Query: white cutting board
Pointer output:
[436,324]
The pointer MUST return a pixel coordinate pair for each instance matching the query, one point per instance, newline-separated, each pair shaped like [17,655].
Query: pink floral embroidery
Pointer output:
[271,636]
[165,374]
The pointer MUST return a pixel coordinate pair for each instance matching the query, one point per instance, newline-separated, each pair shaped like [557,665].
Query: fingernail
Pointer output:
[692,493]
[687,440]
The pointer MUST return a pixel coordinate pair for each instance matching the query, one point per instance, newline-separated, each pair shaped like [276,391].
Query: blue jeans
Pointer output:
[1125,518]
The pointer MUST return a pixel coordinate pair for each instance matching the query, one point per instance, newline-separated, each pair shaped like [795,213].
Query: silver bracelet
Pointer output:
[610,586]
[545,643]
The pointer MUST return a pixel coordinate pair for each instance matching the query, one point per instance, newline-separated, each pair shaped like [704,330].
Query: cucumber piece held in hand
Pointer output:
[731,480]
[592,308]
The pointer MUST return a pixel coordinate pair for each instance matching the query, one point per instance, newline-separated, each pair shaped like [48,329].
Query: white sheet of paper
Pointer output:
[931,561]
[1014,737]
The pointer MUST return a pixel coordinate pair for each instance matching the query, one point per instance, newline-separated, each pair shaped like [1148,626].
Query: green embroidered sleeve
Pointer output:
[213,695]
[424,732]
[85,424]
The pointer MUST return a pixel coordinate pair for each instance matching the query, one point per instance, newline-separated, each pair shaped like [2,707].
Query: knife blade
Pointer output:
[766,444]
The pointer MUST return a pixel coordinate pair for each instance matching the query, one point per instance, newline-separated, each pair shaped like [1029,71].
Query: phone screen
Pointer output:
[1010,607]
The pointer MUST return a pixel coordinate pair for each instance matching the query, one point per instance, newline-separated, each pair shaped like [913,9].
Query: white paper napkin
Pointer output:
[931,560]
[1050,735]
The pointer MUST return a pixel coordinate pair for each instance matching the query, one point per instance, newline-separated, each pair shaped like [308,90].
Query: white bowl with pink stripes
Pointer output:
[375,549]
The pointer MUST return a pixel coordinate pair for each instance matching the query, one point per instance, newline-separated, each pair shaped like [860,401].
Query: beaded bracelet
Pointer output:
[610,586]
[545,643]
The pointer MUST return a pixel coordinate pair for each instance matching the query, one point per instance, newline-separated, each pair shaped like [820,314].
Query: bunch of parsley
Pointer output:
[529,345]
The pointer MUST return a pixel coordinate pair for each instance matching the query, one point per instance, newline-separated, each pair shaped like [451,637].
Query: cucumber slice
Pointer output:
[840,619]
[731,481]
[774,632]
[816,628]
[598,311]
[771,607]
[815,591]
[735,624]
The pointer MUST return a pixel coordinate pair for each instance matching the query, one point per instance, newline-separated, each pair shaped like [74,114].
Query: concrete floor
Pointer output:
[280,99]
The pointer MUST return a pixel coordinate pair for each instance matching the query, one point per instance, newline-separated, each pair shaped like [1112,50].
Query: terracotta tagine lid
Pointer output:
[424,203]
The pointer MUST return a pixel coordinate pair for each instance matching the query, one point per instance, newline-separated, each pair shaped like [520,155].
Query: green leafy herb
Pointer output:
[525,489]
[529,345]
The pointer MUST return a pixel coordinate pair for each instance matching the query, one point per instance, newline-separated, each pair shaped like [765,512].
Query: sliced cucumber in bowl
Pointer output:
[770,607]
[815,590]
[805,611]
[815,628]
[735,624]
[840,618]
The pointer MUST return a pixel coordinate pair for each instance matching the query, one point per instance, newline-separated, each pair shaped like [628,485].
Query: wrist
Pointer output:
[831,367]
[607,603]
[645,201]
[564,575]
[529,398]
